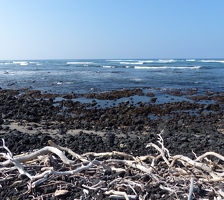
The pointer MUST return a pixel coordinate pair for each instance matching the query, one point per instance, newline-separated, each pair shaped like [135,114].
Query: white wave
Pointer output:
[5,63]
[79,63]
[57,83]
[116,60]
[218,61]
[21,62]
[140,62]
[136,79]
[151,67]
[16,62]
[145,67]
[132,63]
[149,61]
[62,82]
[167,61]
[190,60]
[196,67]
[24,63]
[166,67]
[108,66]
[34,62]
[69,82]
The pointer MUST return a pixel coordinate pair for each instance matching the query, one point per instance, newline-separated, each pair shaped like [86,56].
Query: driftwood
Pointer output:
[178,176]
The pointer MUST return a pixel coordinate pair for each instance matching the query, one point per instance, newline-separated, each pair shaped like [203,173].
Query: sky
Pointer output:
[102,29]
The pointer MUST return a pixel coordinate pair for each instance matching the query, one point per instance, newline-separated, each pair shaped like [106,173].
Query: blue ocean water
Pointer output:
[99,75]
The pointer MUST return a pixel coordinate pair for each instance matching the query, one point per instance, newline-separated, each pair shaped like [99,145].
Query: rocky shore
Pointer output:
[111,121]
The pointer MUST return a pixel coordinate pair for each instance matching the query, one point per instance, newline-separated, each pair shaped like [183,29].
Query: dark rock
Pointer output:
[184,126]
[150,94]
[153,100]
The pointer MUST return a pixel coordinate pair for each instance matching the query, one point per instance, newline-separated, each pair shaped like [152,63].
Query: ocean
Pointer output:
[100,75]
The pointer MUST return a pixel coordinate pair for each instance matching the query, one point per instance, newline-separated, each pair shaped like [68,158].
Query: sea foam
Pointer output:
[21,62]
[167,61]
[108,66]
[166,67]
[132,63]
[80,63]
[218,61]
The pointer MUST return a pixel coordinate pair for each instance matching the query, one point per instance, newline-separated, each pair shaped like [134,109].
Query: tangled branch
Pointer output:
[126,178]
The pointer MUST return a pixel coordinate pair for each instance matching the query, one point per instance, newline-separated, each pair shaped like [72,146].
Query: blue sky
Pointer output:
[75,29]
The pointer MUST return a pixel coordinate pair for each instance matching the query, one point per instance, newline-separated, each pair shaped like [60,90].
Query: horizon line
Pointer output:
[111,58]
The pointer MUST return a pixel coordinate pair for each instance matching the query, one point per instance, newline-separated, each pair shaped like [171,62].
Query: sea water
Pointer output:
[99,75]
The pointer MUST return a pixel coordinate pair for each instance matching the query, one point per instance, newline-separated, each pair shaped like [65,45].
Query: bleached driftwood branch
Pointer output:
[119,195]
[75,155]
[153,166]
[43,151]
[162,153]
[22,171]
[196,164]
[210,154]
[191,190]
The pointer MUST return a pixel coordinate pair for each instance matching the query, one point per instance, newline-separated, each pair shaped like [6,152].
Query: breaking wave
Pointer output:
[166,61]
[108,66]
[80,63]
[166,67]
[24,63]
[140,62]
[132,63]
[213,61]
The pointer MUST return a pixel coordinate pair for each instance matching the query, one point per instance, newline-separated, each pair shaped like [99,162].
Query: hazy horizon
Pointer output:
[112,59]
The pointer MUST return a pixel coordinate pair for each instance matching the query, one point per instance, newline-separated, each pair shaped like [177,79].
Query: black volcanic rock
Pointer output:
[186,126]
